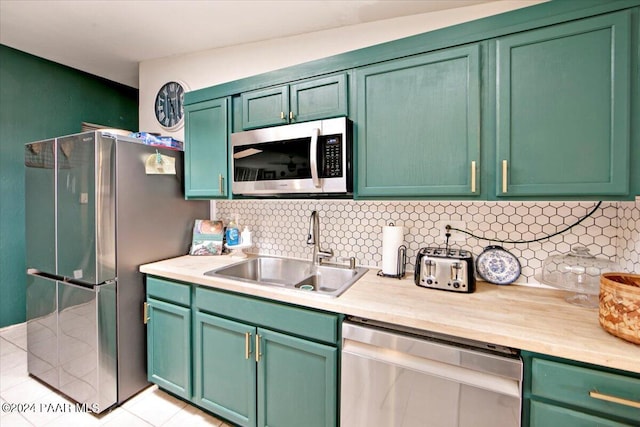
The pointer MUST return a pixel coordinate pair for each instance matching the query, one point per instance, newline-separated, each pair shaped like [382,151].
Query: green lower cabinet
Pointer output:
[225,369]
[169,346]
[243,358]
[259,363]
[547,415]
[297,382]
[257,377]
[560,392]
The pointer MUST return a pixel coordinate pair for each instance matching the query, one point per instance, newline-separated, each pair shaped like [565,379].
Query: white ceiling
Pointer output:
[109,38]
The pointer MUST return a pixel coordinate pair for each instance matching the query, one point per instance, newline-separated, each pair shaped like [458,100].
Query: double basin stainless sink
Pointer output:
[324,279]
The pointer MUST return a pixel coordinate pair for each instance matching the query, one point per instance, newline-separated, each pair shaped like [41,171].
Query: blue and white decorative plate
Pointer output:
[498,266]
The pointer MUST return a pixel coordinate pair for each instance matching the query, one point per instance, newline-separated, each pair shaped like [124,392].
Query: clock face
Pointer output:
[169,105]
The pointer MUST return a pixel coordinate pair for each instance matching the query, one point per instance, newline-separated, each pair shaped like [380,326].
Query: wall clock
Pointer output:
[168,107]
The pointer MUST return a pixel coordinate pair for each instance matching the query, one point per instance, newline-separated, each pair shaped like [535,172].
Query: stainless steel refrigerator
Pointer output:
[97,206]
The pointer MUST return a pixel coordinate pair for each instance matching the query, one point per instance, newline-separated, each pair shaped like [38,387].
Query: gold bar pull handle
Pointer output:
[145,313]
[281,115]
[247,345]
[473,176]
[504,176]
[221,183]
[258,353]
[290,115]
[614,399]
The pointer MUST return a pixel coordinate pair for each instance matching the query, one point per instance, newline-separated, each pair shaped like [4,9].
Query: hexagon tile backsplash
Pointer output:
[354,228]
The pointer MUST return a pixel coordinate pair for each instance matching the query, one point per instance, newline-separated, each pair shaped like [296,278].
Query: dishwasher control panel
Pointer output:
[445,269]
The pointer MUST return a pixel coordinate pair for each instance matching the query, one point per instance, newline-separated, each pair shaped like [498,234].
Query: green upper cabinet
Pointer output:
[265,107]
[206,149]
[563,109]
[313,99]
[418,125]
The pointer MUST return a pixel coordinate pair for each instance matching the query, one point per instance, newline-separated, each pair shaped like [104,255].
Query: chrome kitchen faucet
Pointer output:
[314,239]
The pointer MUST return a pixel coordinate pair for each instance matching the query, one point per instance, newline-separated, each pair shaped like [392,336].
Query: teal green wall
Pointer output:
[40,99]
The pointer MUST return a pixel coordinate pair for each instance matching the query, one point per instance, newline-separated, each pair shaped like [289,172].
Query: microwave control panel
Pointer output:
[330,156]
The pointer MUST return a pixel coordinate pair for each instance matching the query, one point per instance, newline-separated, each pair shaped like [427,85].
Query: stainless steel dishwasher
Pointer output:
[404,377]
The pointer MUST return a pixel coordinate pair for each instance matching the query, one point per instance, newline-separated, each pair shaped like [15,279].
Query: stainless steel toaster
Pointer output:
[445,269]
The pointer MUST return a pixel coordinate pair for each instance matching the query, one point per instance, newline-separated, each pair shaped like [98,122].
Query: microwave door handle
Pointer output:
[313,157]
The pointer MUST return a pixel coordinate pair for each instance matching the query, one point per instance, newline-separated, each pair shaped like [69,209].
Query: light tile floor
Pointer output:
[45,407]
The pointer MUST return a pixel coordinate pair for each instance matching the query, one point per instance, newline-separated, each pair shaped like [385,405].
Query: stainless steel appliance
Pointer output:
[97,206]
[404,377]
[312,158]
[445,269]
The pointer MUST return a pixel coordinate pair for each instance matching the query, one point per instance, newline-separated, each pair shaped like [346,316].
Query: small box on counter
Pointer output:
[207,237]
[158,140]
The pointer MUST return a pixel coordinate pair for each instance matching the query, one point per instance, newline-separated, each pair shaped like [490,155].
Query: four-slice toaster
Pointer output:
[445,269]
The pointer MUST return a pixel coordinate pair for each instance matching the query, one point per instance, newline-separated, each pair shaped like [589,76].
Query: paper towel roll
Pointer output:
[392,239]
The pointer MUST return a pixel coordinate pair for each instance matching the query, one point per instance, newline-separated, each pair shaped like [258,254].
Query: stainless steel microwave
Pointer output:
[312,158]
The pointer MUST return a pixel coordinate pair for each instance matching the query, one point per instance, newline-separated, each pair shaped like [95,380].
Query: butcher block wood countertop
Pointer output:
[526,318]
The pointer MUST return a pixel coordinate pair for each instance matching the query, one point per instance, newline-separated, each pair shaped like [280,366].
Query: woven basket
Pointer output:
[620,305]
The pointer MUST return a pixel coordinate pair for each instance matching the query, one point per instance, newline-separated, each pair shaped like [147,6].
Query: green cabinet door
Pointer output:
[225,368]
[206,149]
[547,415]
[169,347]
[297,382]
[418,125]
[265,107]
[563,109]
[560,392]
[319,98]
[312,99]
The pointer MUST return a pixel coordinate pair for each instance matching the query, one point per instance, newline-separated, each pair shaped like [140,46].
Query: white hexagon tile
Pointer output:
[354,228]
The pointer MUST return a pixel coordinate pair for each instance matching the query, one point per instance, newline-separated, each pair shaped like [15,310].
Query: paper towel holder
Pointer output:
[402,264]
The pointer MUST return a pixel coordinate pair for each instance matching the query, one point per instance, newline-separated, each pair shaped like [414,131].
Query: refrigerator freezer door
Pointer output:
[87,344]
[40,224]
[86,208]
[42,329]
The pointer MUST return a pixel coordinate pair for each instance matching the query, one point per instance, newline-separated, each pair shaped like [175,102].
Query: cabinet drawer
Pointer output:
[545,415]
[573,385]
[178,293]
[315,325]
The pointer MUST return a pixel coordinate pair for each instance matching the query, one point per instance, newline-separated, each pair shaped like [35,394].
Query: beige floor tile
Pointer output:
[192,417]
[7,347]
[121,418]
[76,419]
[14,420]
[13,376]
[25,392]
[156,407]
[16,334]
[48,408]
[13,359]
